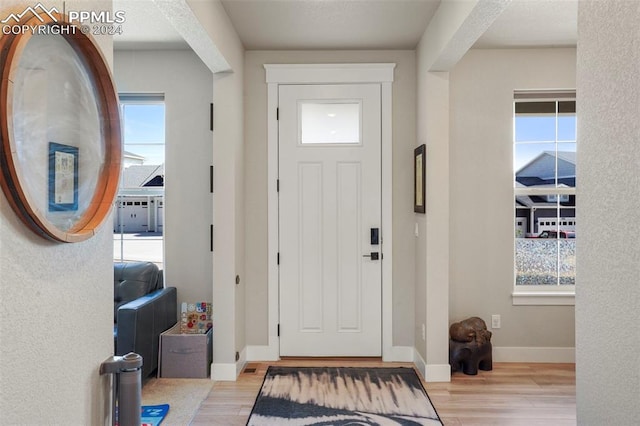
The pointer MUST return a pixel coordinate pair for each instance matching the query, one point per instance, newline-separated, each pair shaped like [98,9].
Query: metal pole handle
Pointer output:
[126,374]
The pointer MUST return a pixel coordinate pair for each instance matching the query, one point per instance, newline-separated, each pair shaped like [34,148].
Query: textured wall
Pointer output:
[256,185]
[608,300]
[482,250]
[56,314]
[188,154]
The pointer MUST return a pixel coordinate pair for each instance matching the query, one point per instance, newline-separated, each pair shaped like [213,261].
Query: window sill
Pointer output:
[547,298]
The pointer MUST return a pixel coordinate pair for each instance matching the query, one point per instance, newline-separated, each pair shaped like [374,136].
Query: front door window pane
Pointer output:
[330,122]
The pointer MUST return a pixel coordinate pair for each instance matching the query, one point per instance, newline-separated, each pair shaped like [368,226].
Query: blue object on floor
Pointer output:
[153,415]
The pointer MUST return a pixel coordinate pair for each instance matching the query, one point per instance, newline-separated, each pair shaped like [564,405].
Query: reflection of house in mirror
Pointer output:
[140,199]
[546,208]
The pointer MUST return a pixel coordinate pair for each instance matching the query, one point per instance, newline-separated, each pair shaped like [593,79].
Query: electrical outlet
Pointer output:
[424,332]
[416,230]
[495,321]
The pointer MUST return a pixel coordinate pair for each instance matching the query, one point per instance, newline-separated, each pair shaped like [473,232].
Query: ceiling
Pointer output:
[351,24]
[145,27]
[534,23]
[354,24]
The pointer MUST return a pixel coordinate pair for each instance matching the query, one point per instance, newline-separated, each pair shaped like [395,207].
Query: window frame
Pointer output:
[522,294]
[154,195]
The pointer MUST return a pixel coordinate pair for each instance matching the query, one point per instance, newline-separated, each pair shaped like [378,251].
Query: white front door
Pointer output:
[329,215]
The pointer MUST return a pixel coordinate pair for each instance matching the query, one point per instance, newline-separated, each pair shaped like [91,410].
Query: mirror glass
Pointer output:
[57,130]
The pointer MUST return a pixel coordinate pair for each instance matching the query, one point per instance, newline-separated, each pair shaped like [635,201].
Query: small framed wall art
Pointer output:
[419,171]
[63,177]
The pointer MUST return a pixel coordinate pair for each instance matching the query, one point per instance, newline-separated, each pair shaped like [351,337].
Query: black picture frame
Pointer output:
[63,177]
[419,173]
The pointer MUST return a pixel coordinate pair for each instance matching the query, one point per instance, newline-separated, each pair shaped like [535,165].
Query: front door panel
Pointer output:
[329,200]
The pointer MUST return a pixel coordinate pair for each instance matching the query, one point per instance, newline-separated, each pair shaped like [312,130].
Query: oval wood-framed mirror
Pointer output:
[60,138]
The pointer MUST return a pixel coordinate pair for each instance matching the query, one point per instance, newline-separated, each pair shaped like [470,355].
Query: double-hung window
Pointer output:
[139,218]
[545,147]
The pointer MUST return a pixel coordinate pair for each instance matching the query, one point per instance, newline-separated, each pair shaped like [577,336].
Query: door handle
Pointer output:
[374,255]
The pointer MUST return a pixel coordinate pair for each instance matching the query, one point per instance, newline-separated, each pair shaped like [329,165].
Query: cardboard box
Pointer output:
[185,355]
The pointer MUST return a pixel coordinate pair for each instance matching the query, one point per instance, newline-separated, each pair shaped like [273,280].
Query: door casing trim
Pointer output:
[277,74]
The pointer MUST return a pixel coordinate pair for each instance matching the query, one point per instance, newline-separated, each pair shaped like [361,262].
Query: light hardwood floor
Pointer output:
[511,394]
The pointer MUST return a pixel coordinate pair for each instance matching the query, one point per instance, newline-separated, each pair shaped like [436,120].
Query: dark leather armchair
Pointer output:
[143,309]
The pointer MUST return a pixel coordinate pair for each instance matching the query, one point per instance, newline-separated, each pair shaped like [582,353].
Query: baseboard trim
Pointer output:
[223,372]
[438,373]
[399,354]
[419,363]
[534,354]
[431,372]
[262,353]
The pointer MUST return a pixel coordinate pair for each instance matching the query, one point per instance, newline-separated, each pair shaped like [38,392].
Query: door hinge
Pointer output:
[278,330]
[277,113]
[211,179]
[237,356]
[211,237]
[211,116]
[278,185]
[278,258]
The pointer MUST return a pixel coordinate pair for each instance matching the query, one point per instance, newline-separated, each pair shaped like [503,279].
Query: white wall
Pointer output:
[228,153]
[607,314]
[482,253]
[432,242]
[56,313]
[188,88]
[256,182]
[450,34]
